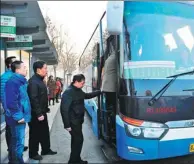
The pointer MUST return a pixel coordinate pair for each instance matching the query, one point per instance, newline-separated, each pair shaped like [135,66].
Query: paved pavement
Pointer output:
[60,141]
[51,117]
[2,118]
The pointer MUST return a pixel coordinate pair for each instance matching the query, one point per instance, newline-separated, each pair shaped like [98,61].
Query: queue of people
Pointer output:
[26,102]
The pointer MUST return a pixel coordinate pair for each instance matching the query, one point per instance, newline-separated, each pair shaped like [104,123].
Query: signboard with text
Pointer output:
[21,42]
[8,27]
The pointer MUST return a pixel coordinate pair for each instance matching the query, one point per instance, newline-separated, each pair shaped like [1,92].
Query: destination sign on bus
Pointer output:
[161,110]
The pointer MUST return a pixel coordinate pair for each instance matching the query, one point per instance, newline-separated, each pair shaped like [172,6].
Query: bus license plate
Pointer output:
[191,149]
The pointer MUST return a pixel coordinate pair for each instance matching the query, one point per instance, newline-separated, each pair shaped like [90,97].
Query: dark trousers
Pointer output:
[110,118]
[38,133]
[7,135]
[53,99]
[111,101]
[8,140]
[76,142]
[57,97]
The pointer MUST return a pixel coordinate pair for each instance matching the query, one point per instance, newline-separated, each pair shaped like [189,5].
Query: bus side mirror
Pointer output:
[115,17]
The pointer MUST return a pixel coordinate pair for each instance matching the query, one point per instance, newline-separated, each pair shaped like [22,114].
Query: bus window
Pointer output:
[95,65]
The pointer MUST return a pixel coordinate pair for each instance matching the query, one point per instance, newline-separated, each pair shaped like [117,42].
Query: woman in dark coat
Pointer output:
[51,84]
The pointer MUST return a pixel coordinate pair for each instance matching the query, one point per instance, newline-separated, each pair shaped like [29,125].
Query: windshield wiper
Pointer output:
[188,90]
[161,92]
[182,74]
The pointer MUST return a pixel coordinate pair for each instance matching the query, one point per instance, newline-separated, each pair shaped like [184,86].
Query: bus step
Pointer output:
[110,153]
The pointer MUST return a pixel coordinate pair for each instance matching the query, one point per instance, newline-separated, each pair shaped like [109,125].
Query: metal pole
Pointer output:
[20,55]
[29,65]
[5,49]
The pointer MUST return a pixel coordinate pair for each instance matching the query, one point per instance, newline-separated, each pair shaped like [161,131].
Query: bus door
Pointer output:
[99,113]
[96,125]
[107,108]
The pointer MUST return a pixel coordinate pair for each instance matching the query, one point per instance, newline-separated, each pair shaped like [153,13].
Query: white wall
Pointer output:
[2,62]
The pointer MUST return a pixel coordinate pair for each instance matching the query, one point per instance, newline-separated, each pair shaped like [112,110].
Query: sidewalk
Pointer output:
[51,117]
[61,142]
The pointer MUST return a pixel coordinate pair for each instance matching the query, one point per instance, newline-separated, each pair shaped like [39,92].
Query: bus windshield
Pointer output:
[157,45]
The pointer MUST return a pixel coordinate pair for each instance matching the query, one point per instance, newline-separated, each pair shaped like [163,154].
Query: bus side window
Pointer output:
[94,74]
[95,69]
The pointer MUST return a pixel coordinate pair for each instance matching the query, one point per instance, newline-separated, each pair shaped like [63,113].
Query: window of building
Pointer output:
[25,57]
[15,53]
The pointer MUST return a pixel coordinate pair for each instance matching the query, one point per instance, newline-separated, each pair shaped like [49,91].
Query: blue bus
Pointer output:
[152,116]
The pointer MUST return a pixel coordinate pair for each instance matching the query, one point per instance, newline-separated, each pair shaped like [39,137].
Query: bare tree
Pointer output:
[52,29]
[54,34]
[66,55]
[91,50]
[68,58]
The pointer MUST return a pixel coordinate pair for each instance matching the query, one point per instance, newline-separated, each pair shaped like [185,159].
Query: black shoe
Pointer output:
[37,157]
[25,148]
[49,153]
[74,162]
[83,162]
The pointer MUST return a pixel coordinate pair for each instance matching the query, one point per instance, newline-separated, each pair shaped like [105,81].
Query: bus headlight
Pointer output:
[153,132]
[135,131]
[147,130]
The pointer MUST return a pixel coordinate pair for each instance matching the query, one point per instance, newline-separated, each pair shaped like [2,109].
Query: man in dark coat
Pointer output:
[39,129]
[72,112]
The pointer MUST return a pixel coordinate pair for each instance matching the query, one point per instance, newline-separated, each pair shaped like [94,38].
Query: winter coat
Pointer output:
[37,92]
[72,105]
[4,78]
[17,100]
[110,76]
[58,87]
[51,87]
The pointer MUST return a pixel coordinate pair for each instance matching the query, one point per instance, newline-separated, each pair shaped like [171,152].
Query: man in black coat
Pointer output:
[72,112]
[39,129]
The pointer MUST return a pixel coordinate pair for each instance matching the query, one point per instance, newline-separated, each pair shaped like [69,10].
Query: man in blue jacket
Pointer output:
[18,111]
[4,78]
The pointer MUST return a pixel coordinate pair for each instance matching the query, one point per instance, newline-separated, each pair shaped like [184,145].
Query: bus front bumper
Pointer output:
[177,142]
